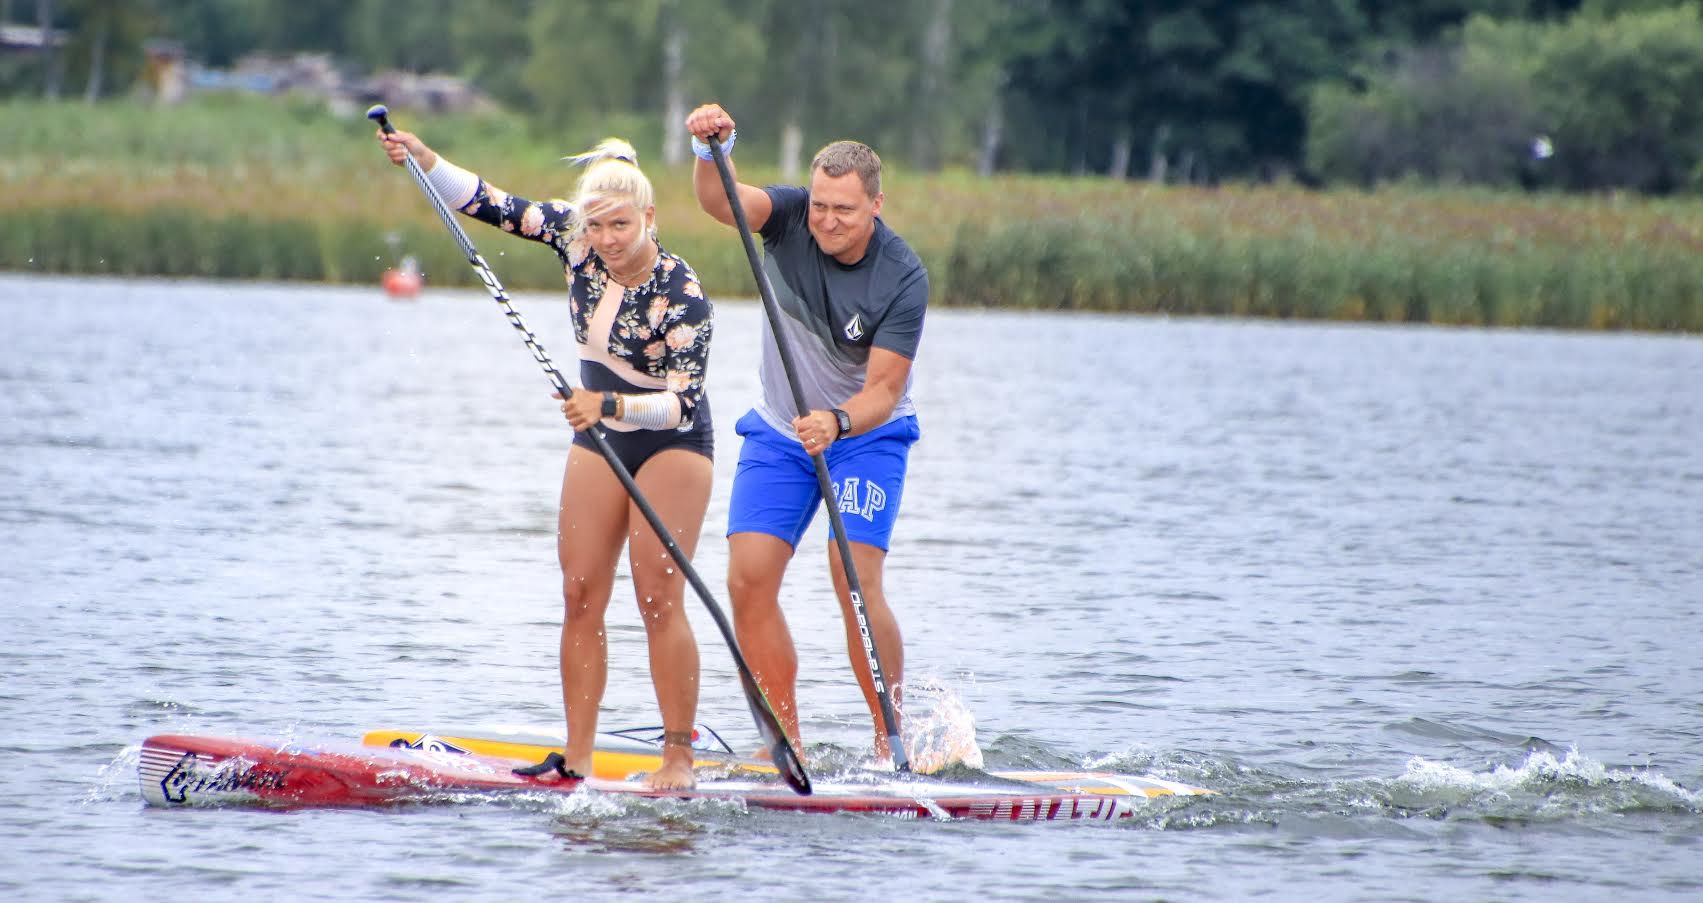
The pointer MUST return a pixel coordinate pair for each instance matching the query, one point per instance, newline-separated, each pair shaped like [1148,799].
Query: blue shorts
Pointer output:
[775,489]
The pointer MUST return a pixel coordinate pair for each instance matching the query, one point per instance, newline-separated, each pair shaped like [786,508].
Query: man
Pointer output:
[852,296]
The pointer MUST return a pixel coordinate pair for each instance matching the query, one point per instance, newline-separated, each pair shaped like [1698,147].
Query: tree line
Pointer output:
[1575,94]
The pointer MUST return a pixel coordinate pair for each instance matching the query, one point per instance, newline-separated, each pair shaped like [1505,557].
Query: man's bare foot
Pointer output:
[762,753]
[883,751]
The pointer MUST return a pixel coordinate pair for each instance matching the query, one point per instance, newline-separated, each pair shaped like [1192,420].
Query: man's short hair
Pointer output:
[842,157]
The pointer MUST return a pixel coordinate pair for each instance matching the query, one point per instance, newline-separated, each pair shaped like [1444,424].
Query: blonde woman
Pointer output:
[643,328]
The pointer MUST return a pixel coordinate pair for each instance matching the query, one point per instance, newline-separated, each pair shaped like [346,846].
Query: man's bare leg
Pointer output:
[883,629]
[756,564]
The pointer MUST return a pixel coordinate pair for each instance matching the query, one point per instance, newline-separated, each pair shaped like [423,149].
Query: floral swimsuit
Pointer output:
[651,338]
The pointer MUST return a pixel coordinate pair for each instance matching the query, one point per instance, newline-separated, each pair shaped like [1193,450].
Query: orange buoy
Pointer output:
[403,281]
[400,284]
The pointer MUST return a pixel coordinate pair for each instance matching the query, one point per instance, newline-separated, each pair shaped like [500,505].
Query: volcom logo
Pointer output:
[854,327]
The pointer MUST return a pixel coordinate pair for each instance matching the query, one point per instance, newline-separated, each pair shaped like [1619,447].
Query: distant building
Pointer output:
[307,74]
[317,76]
[29,39]
[432,93]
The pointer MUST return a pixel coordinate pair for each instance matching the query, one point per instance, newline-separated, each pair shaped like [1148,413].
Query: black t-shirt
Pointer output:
[832,314]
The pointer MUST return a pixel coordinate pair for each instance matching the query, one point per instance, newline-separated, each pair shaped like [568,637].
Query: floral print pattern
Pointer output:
[664,325]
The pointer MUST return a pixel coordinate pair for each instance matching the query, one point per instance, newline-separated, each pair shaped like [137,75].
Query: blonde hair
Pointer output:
[842,157]
[612,177]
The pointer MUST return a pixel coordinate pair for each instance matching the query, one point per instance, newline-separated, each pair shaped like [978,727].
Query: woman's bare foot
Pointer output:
[676,771]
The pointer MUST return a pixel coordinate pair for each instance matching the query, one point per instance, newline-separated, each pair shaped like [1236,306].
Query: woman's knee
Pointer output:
[657,595]
[584,597]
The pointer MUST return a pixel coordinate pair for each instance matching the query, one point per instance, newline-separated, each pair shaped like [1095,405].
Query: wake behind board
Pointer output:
[180,770]
[620,754]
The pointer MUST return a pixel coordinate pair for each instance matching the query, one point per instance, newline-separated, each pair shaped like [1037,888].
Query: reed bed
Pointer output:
[239,189]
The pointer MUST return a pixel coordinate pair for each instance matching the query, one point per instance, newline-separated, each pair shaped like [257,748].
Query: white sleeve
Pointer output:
[454,184]
[652,410]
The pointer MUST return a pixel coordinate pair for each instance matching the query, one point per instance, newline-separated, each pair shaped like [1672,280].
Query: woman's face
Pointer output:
[618,233]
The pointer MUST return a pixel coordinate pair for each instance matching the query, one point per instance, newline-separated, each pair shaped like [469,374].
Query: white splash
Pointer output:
[938,727]
[1539,769]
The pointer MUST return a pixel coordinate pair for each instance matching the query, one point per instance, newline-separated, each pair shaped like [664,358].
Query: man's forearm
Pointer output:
[706,183]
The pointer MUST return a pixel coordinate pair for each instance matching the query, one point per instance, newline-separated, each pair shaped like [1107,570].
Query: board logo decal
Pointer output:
[190,775]
[429,743]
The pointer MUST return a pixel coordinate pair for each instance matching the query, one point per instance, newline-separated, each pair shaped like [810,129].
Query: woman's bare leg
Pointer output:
[676,482]
[591,527]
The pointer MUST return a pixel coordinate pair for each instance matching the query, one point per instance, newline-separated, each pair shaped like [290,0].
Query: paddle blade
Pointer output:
[774,738]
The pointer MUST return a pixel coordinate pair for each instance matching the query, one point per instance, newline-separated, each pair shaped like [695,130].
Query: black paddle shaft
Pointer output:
[883,694]
[774,736]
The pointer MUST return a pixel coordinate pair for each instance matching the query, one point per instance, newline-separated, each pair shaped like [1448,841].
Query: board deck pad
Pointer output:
[619,755]
[185,770]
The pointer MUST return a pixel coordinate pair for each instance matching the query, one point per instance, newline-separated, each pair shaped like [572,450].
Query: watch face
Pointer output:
[844,420]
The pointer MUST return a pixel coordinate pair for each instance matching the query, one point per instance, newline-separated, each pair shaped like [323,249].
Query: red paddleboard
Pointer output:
[178,770]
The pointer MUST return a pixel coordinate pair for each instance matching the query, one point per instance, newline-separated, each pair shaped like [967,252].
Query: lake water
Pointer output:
[1421,604]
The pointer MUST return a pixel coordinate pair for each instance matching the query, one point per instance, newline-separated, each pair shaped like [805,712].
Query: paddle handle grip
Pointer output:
[380,114]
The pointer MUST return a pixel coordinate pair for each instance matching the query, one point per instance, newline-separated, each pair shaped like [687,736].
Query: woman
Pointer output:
[643,326]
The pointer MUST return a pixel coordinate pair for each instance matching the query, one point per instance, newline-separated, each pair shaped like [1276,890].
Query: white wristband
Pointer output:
[701,148]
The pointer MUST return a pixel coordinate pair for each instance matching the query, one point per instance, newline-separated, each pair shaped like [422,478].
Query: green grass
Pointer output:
[241,188]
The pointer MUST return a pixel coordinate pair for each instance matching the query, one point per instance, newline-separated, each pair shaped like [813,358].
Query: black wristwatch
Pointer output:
[844,421]
[609,404]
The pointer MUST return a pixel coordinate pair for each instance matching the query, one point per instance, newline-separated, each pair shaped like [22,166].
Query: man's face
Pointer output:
[842,215]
